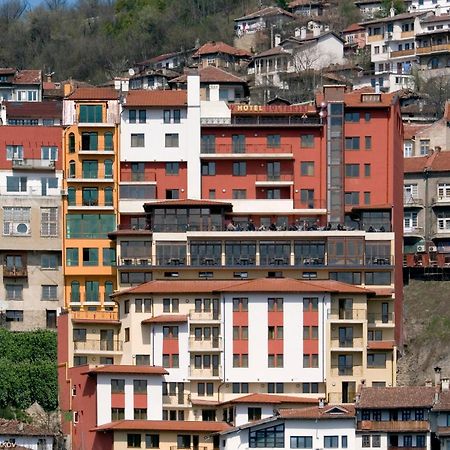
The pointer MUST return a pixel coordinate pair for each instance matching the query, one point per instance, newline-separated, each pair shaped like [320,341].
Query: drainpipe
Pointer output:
[427,205]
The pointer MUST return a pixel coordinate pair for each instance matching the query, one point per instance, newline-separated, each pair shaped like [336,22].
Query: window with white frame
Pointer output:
[49,153]
[14,152]
[410,221]
[424,146]
[410,192]
[444,221]
[16,221]
[49,221]
[443,190]
[407,149]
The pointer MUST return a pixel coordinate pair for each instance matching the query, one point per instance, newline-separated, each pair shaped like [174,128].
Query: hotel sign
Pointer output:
[274,109]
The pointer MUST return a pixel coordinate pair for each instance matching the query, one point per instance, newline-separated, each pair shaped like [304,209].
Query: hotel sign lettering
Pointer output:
[277,109]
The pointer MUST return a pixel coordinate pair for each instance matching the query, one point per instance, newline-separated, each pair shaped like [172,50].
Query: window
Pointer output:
[137,140]
[275,332]
[310,361]
[352,170]
[367,170]
[254,414]
[307,197]
[166,116]
[14,152]
[14,291]
[378,278]
[92,291]
[239,194]
[344,441]
[171,305]
[240,388]
[49,153]
[310,304]
[410,221]
[117,386]
[89,169]
[108,194]
[74,291]
[89,225]
[273,140]
[307,168]
[367,198]
[172,168]
[301,442]
[49,292]
[275,304]
[424,146]
[274,360]
[72,257]
[172,194]
[133,440]
[208,143]
[71,143]
[307,141]
[49,261]
[421,440]
[170,332]
[142,116]
[239,168]
[352,143]
[368,142]
[271,437]
[310,388]
[352,116]
[419,414]
[49,222]
[142,360]
[205,389]
[351,198]
[376,360]
[331,441]
[90,196]
[89,141]
[90,256]
[240,304]
[79,360]
[171,140]
[109,256]
[152,441]
[16,184]
[140,414]
[208,168]
[310,332]
[240,360]
[275,388]
[90,114]
[366,440]
[176,116]
[108,141]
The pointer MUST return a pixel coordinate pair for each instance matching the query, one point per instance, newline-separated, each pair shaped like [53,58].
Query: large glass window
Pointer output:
[131,191]
[182,219]
[89,140]
[301,442]
[90,196]
[92,291]
[275,253]
[271,437]
[309,252]
[345,251]
[90,114]
[109,143]
[171,253]
[89,225]
[240,253]
[378,252]
[90,169]
[135,249]
[206,253]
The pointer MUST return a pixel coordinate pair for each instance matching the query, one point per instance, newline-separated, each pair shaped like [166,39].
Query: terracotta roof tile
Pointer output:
[353,27]
[436,18]
[16,428]
[165,425]
[220,47]
[7,71]
[211,74]
[443,404]
[94,93]
[270,399]
[410,130]
[94,321]
[112,368]
[417,164]
[436,162]
[267,12]
[167,318]
[28,77]
[156,98]
[396,397]
[380,345]
[273,51]
[317,413]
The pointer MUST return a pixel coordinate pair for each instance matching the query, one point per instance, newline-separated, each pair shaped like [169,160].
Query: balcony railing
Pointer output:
[135,262]
[95,315]
[380,318]
[210,372]
[433,49]
[400,53]
[347,314]
[98,346]
[248,149]
[282,178]
[197,447]
[128,175]
[15,271]
[214,343]
[441,200]
[393,425]
[409,200]
[204,315]
[206,260]
[31,164]
[176,399]
[378,260]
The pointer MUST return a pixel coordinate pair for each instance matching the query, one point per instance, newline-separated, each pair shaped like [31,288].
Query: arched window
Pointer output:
[109,146]
[75,291]
[71,169]
[71,143]
[108,168]
[433,63]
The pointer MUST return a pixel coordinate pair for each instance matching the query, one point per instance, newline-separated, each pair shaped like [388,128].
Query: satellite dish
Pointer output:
[131,72]
[3,305]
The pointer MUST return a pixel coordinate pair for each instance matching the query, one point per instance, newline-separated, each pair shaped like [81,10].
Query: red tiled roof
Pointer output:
[317,413]
[267,12]
[28,77]
[143,370]
[167,318]
[273,51]
[436,18]
[7,71]
[16,428]
[271,399]
[443,404]
[199,402]
[410,130]
[211,74]
[156,98]
[219,47]
[165,425]
[417,164]
[353,27]
[188,202]
[34,110]
[436,162]
[380,345]
[94,93]
[396,397]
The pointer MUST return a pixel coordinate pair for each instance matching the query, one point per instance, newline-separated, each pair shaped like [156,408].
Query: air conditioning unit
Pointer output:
[421,248]
[63,192]
[432,248]
[21,228]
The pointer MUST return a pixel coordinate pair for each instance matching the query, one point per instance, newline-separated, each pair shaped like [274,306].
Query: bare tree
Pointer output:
[55,5]
[11,10]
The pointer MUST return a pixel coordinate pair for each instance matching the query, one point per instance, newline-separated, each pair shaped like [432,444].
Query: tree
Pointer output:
[386,5]
[282,4]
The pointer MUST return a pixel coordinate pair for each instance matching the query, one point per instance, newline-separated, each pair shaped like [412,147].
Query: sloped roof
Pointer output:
[436,162]
[167,318]
[270,399]
[165,425]
[353,27]
[396,397]
[93,93]
[319,413]
[34,110]
[436,18]
[402,16]
[16,428]
[28,77]
[211,74]
[410,130]
[142,370]
[269,11]
[278,50]
[296,3]
[220,47]
[156,98]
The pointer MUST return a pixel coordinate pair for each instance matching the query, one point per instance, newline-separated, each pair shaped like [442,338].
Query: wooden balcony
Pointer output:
[401,53]
[95,316]
[375,37]
[394,425]
[438,48]
[15,272]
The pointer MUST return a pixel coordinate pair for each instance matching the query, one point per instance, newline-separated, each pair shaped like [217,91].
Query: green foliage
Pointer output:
[398,5]
[28,371]
[282,4]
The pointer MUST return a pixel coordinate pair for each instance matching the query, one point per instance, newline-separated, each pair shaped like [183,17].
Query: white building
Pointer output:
[428,5]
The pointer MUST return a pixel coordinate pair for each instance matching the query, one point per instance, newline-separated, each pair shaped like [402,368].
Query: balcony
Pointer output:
[346,315]
[213,344]
[96,346]
[406,448]
[139,177]
[380,319]
[206,260]
[413,231]
[440,201]
[101,316]
[393,425]
[96,151]
[401,53]
[412,202]
[345,370]
[197,447]
[438,48]
[33,164]
[247,151]
[204,316]
[176,400]
[375,37]
[134,262]
[378,261]
[205,373]
[285,179]
[15,272]
[354,345]
[290,119]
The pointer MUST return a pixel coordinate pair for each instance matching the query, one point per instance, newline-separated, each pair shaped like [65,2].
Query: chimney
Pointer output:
[321,403]
[303,33]
[437,376]
[377,87]
[316,30]
[437,149]
[392,11]
[445,384]
[438,10]
[428,383]
[193,90]
[297,32]
[277,40]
